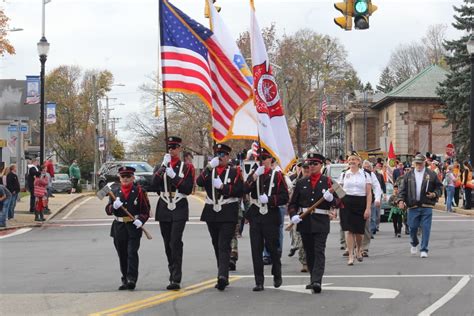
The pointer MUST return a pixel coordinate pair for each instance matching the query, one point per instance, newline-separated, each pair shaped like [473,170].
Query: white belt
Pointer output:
[315,211]
[171,201]
[262,208]
[217,207]
[124,219]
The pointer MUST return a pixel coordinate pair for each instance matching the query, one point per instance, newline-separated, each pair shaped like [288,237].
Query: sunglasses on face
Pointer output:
[221,154]
[172,147]
[125,176]
[313,163]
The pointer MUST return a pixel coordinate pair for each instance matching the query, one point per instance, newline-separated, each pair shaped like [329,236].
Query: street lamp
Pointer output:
[43,49]
[470,50]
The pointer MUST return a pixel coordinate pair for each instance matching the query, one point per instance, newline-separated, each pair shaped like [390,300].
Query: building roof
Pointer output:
[421,86]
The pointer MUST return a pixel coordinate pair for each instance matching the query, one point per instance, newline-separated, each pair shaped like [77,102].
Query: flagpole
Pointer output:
[160,76]
[324,137]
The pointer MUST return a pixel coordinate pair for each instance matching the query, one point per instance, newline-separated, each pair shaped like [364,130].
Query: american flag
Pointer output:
[324,110]
[192,61]
[255,147]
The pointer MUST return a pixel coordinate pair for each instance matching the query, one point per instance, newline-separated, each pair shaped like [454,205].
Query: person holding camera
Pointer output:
[419,192]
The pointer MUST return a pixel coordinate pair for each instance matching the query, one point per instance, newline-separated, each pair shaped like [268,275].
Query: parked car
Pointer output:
[143,174]
[334,170]
[384,206]
[61,183]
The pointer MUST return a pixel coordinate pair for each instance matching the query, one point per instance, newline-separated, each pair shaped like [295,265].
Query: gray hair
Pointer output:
[366,162]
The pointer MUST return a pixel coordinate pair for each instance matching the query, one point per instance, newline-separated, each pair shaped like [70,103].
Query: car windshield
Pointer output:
[336,170]
[140,166]
[61,176]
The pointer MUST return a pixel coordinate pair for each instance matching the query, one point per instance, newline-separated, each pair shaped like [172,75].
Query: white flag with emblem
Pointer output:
[272,125]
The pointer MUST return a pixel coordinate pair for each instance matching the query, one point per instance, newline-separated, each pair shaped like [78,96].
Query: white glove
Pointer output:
[260,170]
[214,162]
[217,183]
[166,160]
[328,196]
[170,173]
[117,203]
[138,223]
[296,219]
[263,198]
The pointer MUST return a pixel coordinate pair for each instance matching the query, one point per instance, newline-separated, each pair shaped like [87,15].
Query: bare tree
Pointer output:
[433,42]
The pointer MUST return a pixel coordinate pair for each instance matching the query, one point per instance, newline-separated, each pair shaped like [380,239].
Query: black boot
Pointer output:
[37,216]
[41,216]
[124,285]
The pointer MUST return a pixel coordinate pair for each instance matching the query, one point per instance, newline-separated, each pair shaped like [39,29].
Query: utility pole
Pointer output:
[96,134]
[365,120]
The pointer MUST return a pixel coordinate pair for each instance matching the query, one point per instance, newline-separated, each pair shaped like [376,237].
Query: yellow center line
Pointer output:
[160,298]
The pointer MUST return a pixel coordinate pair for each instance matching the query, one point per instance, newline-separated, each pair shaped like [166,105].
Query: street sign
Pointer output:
[14,128]
[450,150]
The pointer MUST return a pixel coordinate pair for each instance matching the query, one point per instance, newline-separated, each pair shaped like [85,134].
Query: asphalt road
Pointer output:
[69,267]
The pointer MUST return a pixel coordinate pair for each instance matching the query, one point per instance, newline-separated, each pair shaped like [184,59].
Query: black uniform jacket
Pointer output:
[183,183]
[304,195]
[233,188]
[137,204]
[278,196]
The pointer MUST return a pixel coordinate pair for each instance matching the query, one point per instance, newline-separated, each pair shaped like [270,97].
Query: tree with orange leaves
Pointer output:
[5,46]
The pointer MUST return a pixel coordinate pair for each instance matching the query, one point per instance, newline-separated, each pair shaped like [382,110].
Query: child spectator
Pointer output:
[396,214]
[40,185]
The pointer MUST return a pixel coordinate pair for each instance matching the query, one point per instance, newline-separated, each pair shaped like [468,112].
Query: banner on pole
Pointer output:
[50,113]
[101,142]
[32,90]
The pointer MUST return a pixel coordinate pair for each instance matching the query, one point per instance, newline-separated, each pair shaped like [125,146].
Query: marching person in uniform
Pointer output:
[126,231]
[224,188]
[314,229]
[268,190]
[174,182]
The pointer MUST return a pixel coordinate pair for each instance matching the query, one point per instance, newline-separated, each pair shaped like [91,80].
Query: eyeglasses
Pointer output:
[172,147]
[313,163]
[125,176]
[221,154]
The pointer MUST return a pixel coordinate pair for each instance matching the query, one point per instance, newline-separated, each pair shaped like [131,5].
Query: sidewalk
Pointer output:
[440,206]
[23,217]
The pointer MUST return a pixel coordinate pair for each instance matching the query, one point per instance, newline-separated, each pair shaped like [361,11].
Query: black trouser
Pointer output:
[127,250]
[397,223]
[467,201]
[314,246]
[221,235]
[456,195]
[172,233]
[32,200]
[268,235]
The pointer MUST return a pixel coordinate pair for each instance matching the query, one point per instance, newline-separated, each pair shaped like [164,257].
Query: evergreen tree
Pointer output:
[386,81]
[455,90]
[368,87]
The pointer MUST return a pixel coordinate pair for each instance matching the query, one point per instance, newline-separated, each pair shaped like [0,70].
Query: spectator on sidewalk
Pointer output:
[32,173]
[467,184]
[419,192]
[41,195]
[5,198]
[13,184]
[75,175]
[50,170]
[457,183]
[449,182]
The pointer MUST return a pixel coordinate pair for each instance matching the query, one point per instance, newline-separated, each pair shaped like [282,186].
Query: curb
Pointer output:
[75,199]
[457,210]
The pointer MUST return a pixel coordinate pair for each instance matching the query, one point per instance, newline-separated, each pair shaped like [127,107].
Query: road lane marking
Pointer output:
[447,297]
[16,233]
[161,298]
[77,206]
[376,293]
[370,276]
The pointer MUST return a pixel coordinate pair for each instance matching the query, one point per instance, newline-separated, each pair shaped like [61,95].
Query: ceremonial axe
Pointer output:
[105,191]
[336,188]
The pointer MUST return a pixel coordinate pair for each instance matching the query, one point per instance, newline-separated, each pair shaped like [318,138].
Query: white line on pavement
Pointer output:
[371,276]
[447,297]
[17,232]
[77,206]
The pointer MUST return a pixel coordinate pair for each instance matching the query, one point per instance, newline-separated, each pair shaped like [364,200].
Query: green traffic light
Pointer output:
[361,6]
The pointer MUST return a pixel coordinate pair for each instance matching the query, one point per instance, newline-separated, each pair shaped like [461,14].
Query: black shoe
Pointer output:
[365,253]
[173,286]
[292,252]
[399,236]
[345,254]
[258,288]
[123,287]
[309,286]
[232,265]
[277,282]
[131,285]
[222,283]
[267,261]
[316,288]
[342,248]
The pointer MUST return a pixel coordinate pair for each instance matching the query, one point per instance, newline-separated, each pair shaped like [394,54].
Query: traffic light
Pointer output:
[206,9]
[347,9]
[362,10]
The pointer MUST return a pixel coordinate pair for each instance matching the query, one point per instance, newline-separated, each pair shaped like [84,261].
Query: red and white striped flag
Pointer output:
[255,148]
[324,110]
[192,61]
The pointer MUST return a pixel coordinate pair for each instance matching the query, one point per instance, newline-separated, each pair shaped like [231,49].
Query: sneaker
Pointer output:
[424,254]
[414,250]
